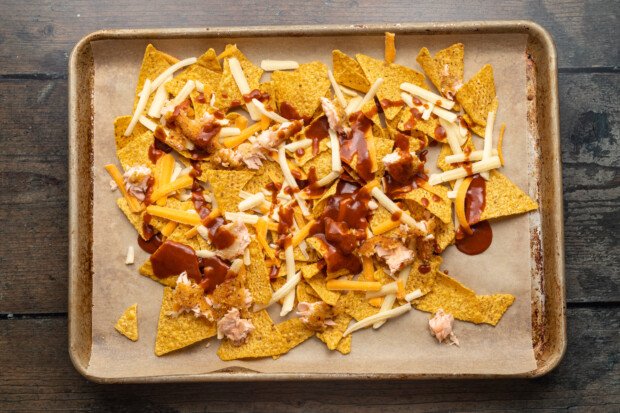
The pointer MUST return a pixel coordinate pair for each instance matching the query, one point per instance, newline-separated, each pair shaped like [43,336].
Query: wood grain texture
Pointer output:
[33,191]
[39,35]
[588,379]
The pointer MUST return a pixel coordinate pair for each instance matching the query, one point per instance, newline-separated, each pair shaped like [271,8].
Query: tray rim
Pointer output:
[545,365]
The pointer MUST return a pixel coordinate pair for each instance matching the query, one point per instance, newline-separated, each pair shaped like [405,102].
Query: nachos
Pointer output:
[285,201]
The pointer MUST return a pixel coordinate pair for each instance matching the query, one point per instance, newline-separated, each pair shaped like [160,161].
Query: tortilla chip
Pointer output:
[409,123]
[503,198]
[228,92]
[257,276]
[136,151]
[154,63]
[146,269]
[344,346]
[294,332]
[127,325]
[423,281]
[318,285]
[333,334]
[479,129]
[444,235]
[383,147]
[322,164]
[266,340]
[356,305]
[320,204]
[348,72]
[477,95]
[204,70]
[310,270]
[371,111]
[263,176]
[303,293]
[302,88]
[463,303]
[436,202]
[449,59]
[196,242]
[225,186]
[120,126]
[393,75]
[174,333]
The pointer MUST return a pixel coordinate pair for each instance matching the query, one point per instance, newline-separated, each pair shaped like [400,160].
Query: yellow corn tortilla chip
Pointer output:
[356,305]
[322,164]
[127,324]
[225,186]
[263,176]
[383,146]
[463,303]
[479,129]
[348,72]
[503,198]
[436,202]
[294,332]
[477,95]
[318,285]
[196,242]
[266,340]
[310,270]
[204,70]
[446,69]
[445,151]
[380,217]
[257,276]
[393,75]
[344,345]
[423,281]
[409,123]
[146,269]
[319,205]
[371,111]
[174,333]
[303,291]
[154,63]
[302,88]
[135,219]
[333,334]
[120,126]
[227,90]
[136,151]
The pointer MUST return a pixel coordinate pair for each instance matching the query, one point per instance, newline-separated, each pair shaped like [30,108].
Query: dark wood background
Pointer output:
[36,38]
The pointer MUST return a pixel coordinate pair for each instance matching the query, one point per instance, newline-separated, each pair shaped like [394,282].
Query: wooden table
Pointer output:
[35,372]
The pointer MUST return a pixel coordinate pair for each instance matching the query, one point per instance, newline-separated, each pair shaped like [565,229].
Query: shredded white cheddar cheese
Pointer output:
[337,91]
[427,95]
[271,65]
[377,318]
[130,256]
[476,167]
[144,97]
[170,71]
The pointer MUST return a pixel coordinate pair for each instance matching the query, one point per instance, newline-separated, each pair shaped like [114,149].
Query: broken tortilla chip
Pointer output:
[127,324]
[257,275]
[225,186]
[228,94]
[154,63]
[348,72]
[503,198]
[266,340]
[477,95]
[446,69]
[174,333]
[301,89]
[120,126]
[146,269]
[136,151]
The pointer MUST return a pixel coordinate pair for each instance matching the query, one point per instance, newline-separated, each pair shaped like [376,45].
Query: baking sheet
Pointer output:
[403,345]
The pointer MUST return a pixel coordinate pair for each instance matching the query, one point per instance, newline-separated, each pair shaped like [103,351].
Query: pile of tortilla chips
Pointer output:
[212,139]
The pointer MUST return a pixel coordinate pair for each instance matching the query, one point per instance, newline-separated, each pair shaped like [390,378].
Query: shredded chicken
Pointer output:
[270,139]
[234,328]
[188,297]
[331,113]
[396,257]
[242,240]
[441,327]
[316,316]
[136,181]
[402,165]
[245,153]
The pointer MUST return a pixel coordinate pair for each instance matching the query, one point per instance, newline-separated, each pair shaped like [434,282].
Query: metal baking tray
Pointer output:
[547,244]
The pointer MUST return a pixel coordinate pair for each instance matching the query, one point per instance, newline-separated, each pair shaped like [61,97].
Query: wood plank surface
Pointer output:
[33,190]
[39,35]
[589,377]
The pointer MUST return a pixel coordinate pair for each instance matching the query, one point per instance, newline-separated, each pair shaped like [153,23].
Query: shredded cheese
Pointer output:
[353,104]
[452,135]
[460,205]
[328,179]
[347,91]
[385,227]
[390,48]
[502,129]
[389,299]
[188,88]
[234,141]
[271,115]
[183,182]
[282,291]
[201,229]
[335,148]
[391,288]
[182,217]
[413,295]
[370,94]
[169,228]
[241,216]
[302,234]
[144,97]
[130,256]
[242,84]
[488,142]
[160,98]
[427,95]
[170,71]
[289,299]
[473,156]
[300,144]
[115,174]
[476,167]
[252,201]
[348,285]
[148,123]
[428,109]
[261,236]
[368,269]
[286,171]
[452,194]
[271,65]
[228,132]
[205,254]
[167,165]
[393,208]
[380,317]
[337,90]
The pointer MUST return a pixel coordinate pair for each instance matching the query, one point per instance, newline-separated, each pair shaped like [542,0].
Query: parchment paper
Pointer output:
[403,345]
